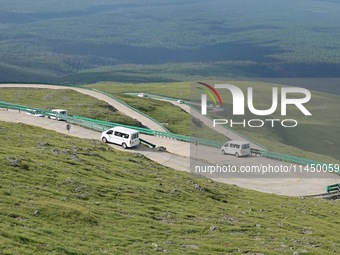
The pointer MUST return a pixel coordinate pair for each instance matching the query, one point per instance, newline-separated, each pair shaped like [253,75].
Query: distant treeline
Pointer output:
[86,41]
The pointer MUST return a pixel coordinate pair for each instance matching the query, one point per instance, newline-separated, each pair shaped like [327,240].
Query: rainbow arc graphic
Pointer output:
[211,91]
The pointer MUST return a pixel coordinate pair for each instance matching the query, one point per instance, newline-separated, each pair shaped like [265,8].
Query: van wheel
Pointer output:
[124,145]
[223,152]
[236,155]
[104,140]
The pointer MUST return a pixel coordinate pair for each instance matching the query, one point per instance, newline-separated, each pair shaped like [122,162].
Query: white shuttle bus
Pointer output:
[237,148]
[125,137]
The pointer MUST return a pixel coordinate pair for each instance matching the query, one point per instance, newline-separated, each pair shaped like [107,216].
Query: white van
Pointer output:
[125,137]
[34,112]
[237,148]
[142,95]
[59,113]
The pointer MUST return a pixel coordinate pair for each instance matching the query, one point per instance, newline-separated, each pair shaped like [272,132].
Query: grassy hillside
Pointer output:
[65,195]
[170,89]
[173,118]
[76,103]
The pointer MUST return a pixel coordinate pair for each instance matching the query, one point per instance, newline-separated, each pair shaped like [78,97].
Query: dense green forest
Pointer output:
[80,41]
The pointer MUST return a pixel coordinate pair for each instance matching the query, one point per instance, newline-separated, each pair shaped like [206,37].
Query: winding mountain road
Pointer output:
[178,155]
[119,106]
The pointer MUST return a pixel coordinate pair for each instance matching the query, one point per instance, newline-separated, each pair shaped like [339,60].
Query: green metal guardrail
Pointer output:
[154,96]
[104,125]
[233,131]
[333,187]
[132,108]
[175,99]
[289,158]
[148,143]
[147,131]
[263,153]
[100,125]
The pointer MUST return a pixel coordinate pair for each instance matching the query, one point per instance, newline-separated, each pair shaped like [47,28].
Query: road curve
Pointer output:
[179,156]
[167,159]
[208,122]
[281,186]
[119,106]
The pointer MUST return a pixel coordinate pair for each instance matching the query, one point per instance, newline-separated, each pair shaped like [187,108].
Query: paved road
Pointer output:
[283,186]
[164,158]
[120,107]
[208,122]
[178,158]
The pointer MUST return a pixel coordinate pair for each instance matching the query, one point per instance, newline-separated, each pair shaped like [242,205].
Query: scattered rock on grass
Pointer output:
[198,187]
[44,144]
[213,228]
[75,158]
[13,161]
[191,246]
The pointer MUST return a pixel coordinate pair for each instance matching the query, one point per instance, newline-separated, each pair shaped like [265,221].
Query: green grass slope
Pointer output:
[173,118]
[75,103]
[169,89]
[64,195]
